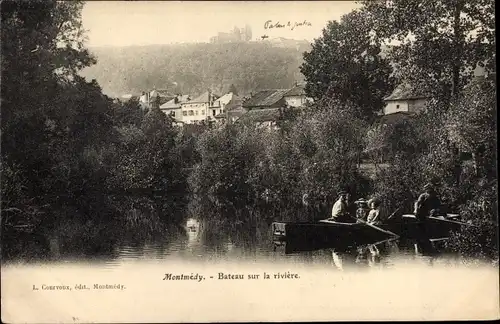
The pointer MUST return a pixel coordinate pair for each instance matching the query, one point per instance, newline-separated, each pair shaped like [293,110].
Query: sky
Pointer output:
[120,23]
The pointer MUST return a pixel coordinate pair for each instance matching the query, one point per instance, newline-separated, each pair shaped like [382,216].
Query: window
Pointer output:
[397,106]
[196,112]
[203,112]
[184,113]
[191,113]
[172,113]
[213,112]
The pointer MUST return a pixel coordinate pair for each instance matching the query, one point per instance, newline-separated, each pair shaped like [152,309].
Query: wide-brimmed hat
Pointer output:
[361,201]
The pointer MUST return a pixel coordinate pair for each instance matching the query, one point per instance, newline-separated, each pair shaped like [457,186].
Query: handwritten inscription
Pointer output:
[290,25]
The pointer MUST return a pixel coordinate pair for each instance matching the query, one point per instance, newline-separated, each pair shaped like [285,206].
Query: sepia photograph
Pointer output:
[248,161]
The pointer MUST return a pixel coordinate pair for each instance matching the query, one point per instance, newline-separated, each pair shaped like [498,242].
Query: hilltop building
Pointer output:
[236,35]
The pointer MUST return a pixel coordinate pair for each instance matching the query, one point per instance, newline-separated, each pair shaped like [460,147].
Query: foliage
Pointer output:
[82,147]
[345,63]
[482,210]
[471,125]
[317,155]
[440,42]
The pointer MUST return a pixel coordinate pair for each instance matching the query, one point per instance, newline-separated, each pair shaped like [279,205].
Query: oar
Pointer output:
[375,227]
[394,213]
[451,221]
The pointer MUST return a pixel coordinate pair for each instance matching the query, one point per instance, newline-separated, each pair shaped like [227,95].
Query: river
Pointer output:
[200,241]
[391,280]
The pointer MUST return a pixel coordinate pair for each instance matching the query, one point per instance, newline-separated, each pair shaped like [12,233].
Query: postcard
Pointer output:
[248,161]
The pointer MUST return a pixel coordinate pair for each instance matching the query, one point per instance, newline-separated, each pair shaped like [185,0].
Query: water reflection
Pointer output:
[212,241]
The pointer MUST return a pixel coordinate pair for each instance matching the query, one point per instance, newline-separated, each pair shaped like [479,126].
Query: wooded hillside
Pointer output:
[192,68]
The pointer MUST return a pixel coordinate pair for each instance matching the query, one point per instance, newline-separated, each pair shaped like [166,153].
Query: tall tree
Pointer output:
[440,41]
[233,89]
[42,49]
[345,63]
[50,115]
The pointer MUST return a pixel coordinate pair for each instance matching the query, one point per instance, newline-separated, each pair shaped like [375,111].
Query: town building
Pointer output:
[233,110]
[263,108]
[403,102]
[154,98]
[296,97]
[173,107]
[266,99]
[199,108]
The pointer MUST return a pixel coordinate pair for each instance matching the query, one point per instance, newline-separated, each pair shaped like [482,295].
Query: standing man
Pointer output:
[428,203]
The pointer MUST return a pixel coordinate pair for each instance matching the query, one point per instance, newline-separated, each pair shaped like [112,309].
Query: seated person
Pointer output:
[362,209]
[339,210]
[374,216]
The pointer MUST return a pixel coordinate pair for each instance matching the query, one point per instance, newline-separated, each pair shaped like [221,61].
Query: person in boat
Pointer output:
[374,217]
[428,203]
[362,209]
[339,210]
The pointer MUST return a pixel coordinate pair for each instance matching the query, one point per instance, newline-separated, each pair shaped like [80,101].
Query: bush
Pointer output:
[482,211]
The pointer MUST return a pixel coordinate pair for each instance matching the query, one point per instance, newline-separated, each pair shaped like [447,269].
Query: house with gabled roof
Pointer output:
[199,108]
[296,97]
[403,102]
[155,98]
[272,98]
[263,107]
[227,105]
[173,107]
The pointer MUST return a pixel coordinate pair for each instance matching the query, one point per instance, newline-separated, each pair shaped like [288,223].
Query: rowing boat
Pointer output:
[327,231]
[410,227]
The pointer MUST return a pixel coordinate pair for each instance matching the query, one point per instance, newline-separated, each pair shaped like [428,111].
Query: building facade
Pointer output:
[173,107]
[199,109]
[404,99]
[296,97]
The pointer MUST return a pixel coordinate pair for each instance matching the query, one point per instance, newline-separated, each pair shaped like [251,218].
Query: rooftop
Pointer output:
[205,97]
[227,96]
[298,90]
[235,103]
[405,91]
[266,98]
[171,104]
